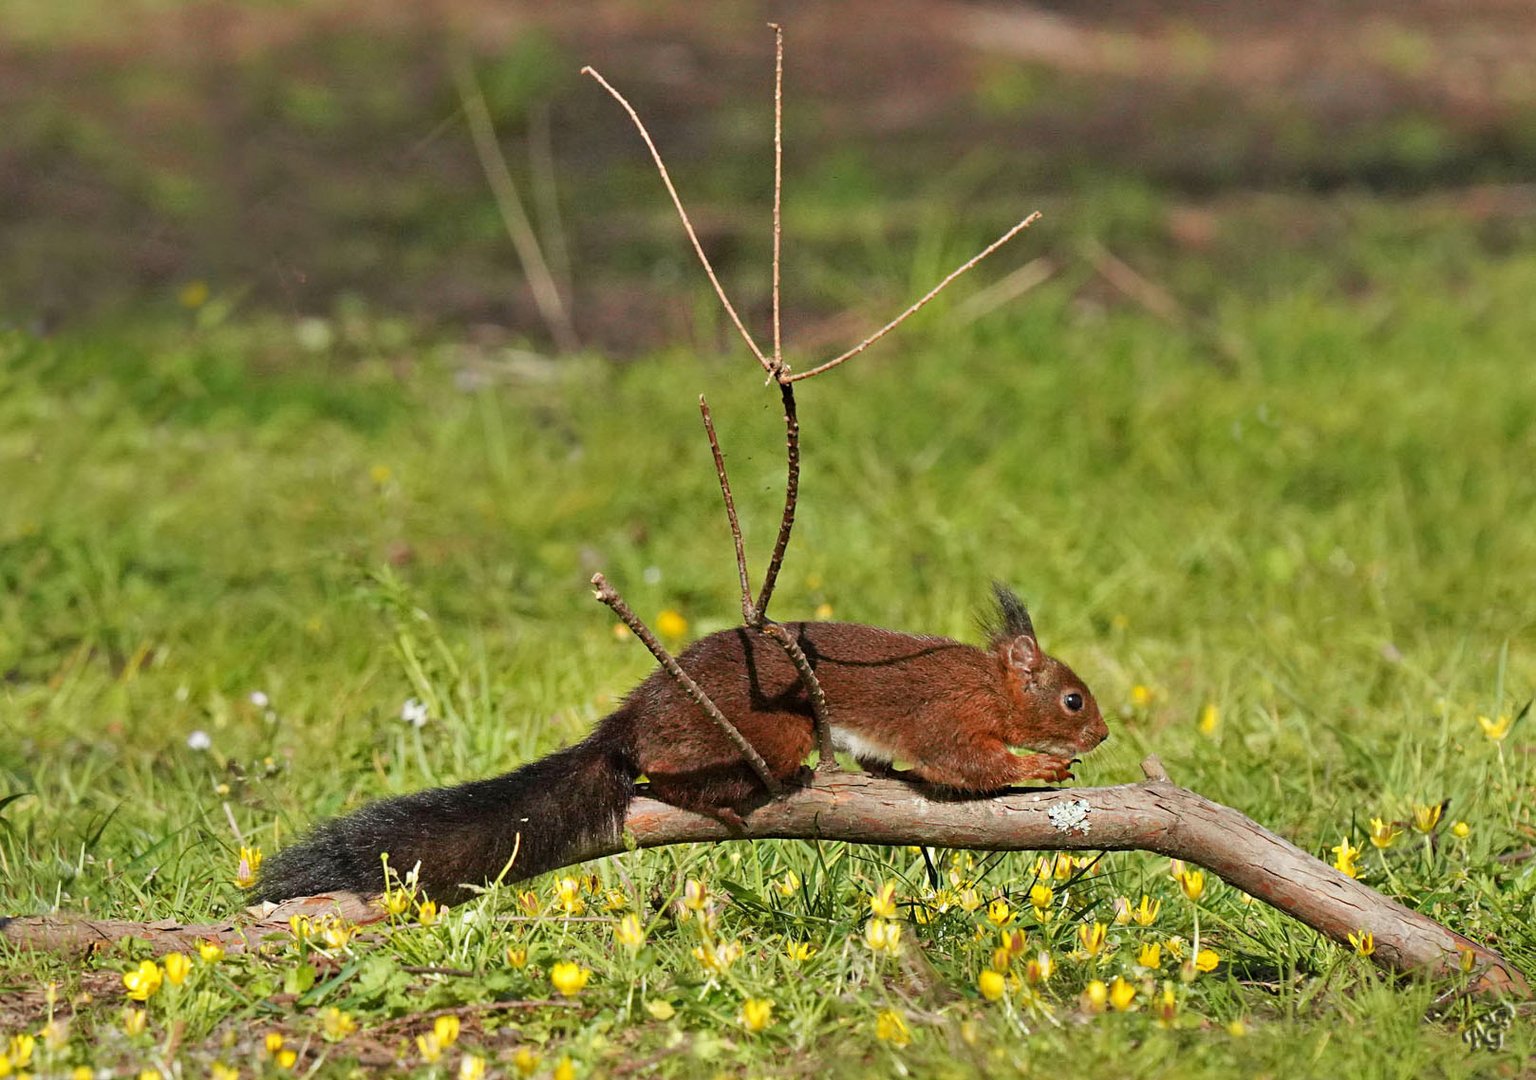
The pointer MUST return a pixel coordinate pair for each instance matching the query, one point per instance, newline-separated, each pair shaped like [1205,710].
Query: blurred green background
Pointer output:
[1249,417]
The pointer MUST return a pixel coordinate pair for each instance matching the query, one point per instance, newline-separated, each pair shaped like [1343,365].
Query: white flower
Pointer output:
[414,713]
[259,699]
[199,740]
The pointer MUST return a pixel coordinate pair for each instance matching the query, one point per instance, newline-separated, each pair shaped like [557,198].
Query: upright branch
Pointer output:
[748,613]
[606,594]
[778,189]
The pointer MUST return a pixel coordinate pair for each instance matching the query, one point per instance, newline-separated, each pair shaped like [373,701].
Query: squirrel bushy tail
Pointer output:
[462,836]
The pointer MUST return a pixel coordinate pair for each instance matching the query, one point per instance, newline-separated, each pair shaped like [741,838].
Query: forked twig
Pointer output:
[756,614]
[940,287]
[693,237]
[748,614]
[791,497]
[606,594]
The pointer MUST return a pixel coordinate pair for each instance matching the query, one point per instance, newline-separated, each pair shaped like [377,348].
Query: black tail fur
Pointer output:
[463,836]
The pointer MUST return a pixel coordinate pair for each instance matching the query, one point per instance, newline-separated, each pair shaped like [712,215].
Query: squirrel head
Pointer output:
[1057,713]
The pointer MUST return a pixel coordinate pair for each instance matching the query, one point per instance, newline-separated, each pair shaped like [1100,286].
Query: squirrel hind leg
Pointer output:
[725,794]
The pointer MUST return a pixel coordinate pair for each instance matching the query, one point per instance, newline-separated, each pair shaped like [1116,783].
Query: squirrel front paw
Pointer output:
[1047,767]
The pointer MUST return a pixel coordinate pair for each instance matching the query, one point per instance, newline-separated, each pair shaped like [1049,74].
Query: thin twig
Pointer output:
[778,187]
[940,287]
[747,613]
[791,495]
[827,760]
[606,594]
[698,248]
[546,294]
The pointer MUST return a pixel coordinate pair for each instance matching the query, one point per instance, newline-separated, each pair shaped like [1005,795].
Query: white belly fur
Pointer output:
[860,747]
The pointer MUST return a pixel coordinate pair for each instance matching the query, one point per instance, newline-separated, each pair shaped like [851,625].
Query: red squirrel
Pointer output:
[955,713]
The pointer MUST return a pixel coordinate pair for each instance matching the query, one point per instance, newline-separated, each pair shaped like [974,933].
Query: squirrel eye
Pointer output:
[1073,701]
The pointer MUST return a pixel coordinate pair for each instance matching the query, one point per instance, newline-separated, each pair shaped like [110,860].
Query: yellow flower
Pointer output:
[20,1050]
[1364,942]
[569,978]
[1166,1007]
[969,900]
[629,932]
[1383,833]
[661,1009]
[999,913]
[1193,883]
[695,895]
[1425,818]
[1210,719]
[1345,857]
[446,1030]
[1141,696]
[336,1025]
[882,936]
[397,902]
[891,1027]
[528,900]
[250,862]
[211,952]
[789,884]
[613,900]
[1091,937]
[192,295]
[1496,729]
[525,1061]
[991,984]
[217,1071]
[1040,969]
[1146,911]
[565,1069]
[337,933]
[273,1042]
[1207,959]
[756,1014]
[1461,830]
[177,965]
[568,896]
[147,1074]
[671,624]
[143,981]
[1121,994]
[1122,908]
[823,612]
[799,951]
[1150,956]
[134,1021]
[1095,996]
[427,1046]
[1237,1029]
[517,956]
[717,958]
[1041,896]
[883,903]
[472,1067]
[1467,958]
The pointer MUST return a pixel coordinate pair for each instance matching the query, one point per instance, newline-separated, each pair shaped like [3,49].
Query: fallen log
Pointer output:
[1155,815]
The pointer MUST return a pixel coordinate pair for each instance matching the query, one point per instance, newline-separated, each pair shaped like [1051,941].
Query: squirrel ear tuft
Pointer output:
[1010,620]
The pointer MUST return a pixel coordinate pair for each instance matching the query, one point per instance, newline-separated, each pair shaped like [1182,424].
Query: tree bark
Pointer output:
[1155,815]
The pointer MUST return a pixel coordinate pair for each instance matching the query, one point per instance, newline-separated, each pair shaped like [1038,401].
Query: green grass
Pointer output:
[1334,546]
